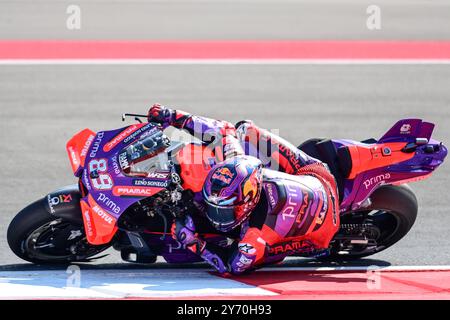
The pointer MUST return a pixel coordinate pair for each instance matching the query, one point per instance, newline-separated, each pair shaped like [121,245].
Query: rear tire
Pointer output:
[393,210]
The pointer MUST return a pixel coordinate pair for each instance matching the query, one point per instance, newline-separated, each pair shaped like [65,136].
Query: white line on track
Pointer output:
[222,61]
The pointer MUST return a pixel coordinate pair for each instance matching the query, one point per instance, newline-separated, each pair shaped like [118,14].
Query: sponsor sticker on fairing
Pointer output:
[87,145]
[128,191]
[73,157]
[108,203]
[150,183]
[405,129]
[123,161]
[380,179]
[134,135]
[86,180]
[115,165]
[87,219]
[120,137]
[96,144]
[103,215]
[56,200]
[159,175]
[88,223]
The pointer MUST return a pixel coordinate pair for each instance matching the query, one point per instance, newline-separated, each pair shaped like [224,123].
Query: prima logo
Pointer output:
[115,165]
[292,202]
[108,203]
[96,144]
[380,179]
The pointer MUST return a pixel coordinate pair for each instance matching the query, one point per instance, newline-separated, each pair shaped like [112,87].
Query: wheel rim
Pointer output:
[61,241]
[385,221]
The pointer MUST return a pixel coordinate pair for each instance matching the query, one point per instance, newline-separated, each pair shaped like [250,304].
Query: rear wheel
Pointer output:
[39,237]
[388,219]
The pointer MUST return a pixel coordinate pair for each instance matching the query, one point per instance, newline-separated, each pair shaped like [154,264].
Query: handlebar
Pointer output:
[136,116]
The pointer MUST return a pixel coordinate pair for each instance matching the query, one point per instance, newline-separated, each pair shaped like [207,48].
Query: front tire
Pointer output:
[37,236]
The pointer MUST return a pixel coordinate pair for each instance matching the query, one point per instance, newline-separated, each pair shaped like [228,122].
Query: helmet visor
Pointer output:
[223,217]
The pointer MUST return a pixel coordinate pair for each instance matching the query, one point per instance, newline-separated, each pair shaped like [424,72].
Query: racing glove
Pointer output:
[160,114]
[183,230]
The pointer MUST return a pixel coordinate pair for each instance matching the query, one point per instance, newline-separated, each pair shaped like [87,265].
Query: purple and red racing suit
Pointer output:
[298,212]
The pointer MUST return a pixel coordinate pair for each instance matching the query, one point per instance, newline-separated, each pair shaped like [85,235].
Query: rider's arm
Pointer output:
[221,134]
[275,152]
[249,253]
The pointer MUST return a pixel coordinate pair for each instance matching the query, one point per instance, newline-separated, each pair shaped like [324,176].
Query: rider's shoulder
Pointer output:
[244,123]
[243,126]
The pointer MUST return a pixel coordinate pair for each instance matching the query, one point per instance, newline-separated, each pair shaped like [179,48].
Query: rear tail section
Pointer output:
[406,153]
[408,130]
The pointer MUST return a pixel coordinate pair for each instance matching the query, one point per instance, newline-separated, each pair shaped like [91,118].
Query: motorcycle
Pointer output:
[133,182]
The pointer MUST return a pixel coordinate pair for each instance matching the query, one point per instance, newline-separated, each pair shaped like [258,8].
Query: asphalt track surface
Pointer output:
[41,107]
[225,20]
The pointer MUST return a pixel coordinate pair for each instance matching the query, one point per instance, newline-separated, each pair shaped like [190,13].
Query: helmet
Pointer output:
[232,190]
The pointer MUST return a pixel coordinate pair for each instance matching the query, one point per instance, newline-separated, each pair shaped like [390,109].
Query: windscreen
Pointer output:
[145,155]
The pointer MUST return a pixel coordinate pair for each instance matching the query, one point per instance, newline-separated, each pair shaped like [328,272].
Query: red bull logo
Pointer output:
[223,174]
[251,186]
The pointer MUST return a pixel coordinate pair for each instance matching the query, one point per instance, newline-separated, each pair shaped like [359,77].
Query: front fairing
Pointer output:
[109,192]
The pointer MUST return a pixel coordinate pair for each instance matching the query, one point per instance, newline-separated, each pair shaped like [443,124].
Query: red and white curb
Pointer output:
[113,284]
[428,282]
[26,52]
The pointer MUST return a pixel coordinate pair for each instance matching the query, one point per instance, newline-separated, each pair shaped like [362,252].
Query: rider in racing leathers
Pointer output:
[294,210]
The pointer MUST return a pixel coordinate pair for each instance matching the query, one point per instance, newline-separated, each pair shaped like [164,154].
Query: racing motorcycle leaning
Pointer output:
[133,182]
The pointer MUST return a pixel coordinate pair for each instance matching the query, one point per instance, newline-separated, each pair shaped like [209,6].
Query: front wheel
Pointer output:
[39,237]
[388,219]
